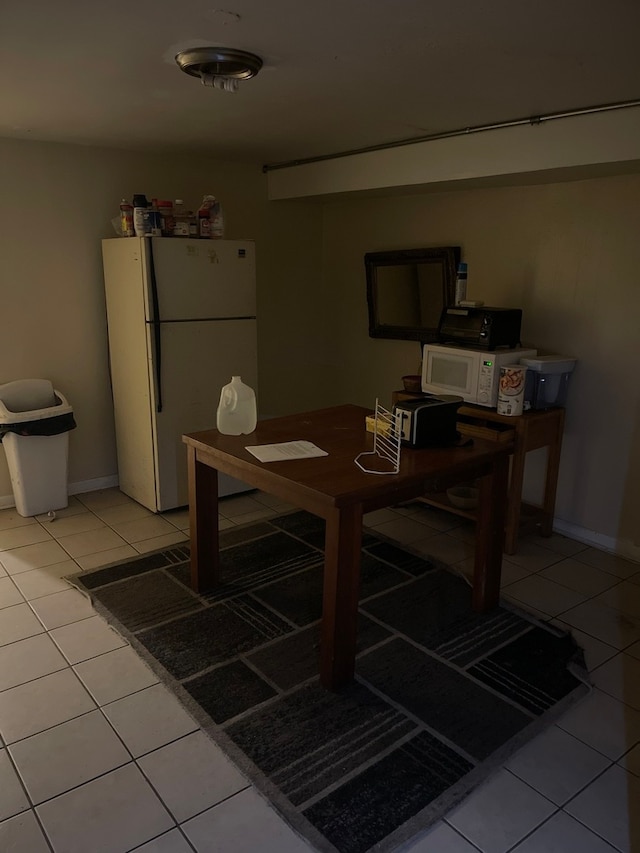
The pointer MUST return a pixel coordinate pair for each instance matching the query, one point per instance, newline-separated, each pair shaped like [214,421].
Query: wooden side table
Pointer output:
[529,431]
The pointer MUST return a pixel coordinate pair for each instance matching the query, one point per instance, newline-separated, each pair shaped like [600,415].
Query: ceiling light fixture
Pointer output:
[219,67]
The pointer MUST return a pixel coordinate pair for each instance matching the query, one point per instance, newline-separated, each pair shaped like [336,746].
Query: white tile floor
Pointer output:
[96,756]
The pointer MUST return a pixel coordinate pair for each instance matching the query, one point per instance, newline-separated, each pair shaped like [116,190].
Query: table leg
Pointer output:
[492,502]
[203,523]
[516,481]
[343,541]
[551,480]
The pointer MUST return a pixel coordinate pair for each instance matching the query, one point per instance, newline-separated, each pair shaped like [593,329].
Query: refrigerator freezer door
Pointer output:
[200,279]
[198,359]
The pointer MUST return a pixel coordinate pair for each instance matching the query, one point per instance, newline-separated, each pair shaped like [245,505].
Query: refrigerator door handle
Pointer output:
[157,342]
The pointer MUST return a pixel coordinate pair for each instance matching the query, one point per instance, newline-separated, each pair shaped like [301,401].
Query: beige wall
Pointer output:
[569,255]
[57,203]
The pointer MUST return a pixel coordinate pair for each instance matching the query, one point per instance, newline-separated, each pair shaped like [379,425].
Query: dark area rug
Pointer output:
[442,696]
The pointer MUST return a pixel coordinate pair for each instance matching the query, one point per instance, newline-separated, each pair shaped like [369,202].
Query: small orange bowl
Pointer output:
[412,383]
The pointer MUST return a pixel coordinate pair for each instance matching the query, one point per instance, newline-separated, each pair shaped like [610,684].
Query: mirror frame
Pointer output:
[447,256]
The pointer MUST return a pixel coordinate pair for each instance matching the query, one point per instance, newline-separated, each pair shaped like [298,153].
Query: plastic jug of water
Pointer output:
[237,414]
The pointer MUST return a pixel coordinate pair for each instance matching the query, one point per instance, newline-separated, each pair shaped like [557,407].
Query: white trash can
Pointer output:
[35,420]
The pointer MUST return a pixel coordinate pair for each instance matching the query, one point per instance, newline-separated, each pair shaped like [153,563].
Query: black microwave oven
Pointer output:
[485,328]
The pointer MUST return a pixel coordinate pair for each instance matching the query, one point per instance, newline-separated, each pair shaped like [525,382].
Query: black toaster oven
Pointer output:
[486,328]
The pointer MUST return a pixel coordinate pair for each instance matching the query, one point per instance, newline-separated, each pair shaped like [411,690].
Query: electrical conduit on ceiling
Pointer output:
[531,120]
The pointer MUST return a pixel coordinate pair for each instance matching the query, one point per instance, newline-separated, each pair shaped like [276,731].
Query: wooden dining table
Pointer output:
[335,488]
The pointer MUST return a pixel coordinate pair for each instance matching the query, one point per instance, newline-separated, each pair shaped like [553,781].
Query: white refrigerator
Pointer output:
[181,317]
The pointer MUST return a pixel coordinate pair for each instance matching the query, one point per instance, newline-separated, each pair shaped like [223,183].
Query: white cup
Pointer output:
[511,389]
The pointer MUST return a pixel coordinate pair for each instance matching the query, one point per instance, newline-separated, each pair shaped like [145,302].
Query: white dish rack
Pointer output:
[385,456]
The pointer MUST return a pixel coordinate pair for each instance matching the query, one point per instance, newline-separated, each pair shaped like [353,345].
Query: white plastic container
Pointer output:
[547,380]
[237,413]
[37,463]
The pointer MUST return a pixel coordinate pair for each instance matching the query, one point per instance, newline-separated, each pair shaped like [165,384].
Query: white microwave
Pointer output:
[471,373]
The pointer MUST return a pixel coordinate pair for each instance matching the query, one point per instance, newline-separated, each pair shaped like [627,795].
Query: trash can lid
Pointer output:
[30,399]
[26,394]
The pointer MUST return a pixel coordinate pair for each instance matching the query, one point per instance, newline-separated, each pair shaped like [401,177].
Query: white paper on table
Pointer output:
[286,450]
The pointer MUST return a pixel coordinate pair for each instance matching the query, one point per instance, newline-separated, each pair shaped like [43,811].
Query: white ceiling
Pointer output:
[337,74]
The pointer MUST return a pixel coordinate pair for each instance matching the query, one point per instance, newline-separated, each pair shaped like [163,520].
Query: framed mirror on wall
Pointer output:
[407,290]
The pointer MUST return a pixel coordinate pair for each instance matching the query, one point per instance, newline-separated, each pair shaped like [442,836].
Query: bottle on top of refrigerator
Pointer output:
[126,219]
[217,220]
[204,216]
[166,218]
[155,221]
[461,283]
[180,219]
[237,413]
[141,218]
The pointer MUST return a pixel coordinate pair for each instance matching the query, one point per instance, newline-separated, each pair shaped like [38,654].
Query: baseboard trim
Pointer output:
[620,547]
[93,485]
